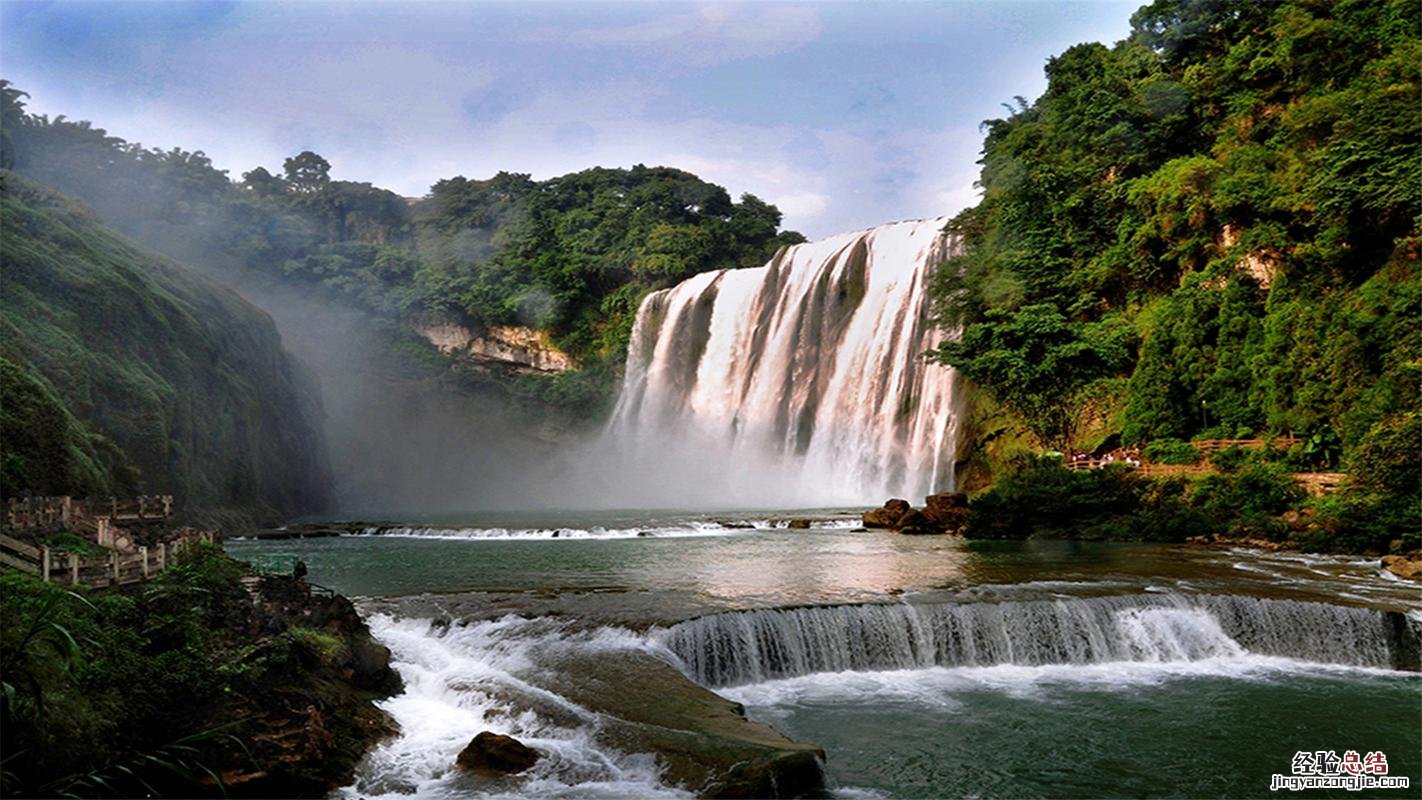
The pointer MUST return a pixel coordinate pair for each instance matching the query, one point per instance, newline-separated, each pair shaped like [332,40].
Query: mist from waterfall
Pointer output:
[801,383]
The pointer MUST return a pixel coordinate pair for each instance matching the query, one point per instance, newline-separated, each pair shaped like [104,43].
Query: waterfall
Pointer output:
[753,646]
[801,382]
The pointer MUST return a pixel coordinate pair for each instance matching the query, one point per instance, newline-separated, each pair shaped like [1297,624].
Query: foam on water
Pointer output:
[463,679]
[937,686]
[545,534]
[678,530]
[460,680]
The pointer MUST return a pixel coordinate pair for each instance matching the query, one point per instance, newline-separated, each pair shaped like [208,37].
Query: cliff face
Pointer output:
[507,346]
[143,376]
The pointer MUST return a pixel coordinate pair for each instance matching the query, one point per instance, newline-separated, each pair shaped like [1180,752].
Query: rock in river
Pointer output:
[703,742]
[917,523]
[888,516]
[496,753]
[947,511]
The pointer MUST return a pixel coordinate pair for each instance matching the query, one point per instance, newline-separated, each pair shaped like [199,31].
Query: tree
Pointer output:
[307,172]
[1034,362]
[12,115]
[263,183]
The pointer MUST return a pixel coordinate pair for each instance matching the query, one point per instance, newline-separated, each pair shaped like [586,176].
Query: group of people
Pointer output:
[1127,455]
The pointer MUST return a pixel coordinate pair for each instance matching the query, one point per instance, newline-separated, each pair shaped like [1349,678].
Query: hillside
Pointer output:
[126,373]
[1208,230]
[568,257]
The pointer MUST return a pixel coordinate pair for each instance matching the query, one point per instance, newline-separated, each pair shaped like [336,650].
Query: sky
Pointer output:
[845,115]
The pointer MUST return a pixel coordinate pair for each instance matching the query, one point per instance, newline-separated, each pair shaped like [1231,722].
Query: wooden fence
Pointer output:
[112,569]
[1157,470]
[1316,484]
[1148,469]
[1203,445]
[1211,445]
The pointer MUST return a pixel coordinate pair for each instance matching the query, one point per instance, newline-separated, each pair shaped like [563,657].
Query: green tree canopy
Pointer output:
[306,172]
[1036,362]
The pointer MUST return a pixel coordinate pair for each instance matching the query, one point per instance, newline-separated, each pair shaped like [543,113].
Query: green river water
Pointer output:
[1193,708]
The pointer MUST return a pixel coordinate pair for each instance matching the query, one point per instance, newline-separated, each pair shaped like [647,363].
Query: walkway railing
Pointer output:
[1209,445]
[1315,483]
[111,569]
[64,511]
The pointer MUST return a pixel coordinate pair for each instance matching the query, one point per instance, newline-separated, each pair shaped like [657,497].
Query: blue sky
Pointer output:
[844,114]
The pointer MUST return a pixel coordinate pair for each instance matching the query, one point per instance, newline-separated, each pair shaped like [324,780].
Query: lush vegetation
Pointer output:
[1216,220]
[1039,498]
[123,373]
[571,256]
[1238,183]
[163,688]
[1256,499]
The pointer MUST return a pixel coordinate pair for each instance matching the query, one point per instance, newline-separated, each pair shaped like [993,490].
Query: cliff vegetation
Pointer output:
[124,373]
[1207,230]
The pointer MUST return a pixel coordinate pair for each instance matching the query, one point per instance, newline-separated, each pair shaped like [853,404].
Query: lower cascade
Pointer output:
[752,646]
[798,382]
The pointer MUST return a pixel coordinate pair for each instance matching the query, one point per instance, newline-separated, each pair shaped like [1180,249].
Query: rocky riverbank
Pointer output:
[316,717]
[205,681]
[945,512]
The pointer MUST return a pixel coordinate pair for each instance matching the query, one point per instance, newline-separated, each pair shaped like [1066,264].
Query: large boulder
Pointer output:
[944,503]
[703,742]
[888,516]
[495,753]
[948,511]
[916,523]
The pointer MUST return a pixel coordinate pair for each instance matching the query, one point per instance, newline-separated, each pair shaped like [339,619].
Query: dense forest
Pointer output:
[571,256]
[1210,229]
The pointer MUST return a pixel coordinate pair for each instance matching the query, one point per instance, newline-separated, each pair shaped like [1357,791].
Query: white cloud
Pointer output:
[399,115]
[714,33]
[802,205]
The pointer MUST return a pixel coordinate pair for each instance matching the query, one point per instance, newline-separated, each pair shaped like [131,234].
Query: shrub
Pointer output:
[326,646]
[1039,497]
[1354,522]
[96,678]
[1230,458]
[1172,451]
[1389,458]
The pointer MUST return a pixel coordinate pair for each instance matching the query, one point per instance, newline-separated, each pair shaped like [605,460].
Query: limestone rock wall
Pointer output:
[514,346]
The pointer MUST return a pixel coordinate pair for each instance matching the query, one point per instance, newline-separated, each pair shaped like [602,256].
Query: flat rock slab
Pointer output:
[702,740]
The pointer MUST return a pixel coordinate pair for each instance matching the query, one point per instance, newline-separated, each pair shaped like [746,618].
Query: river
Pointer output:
[924,666]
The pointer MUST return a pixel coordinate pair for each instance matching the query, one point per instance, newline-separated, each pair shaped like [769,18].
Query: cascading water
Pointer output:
[461,679]
[753,646]
[799,383]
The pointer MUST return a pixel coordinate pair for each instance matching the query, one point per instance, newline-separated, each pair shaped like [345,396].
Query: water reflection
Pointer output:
[755,568]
